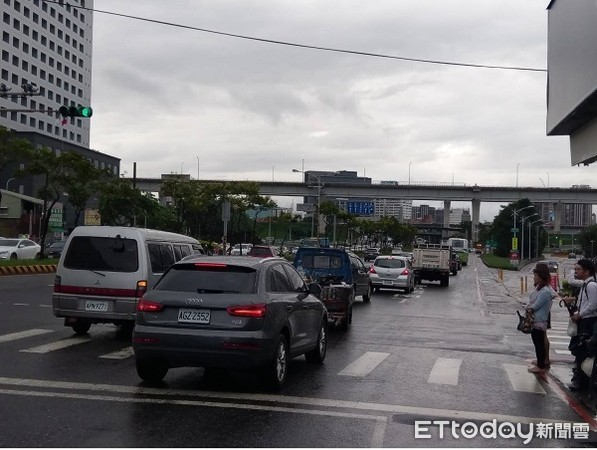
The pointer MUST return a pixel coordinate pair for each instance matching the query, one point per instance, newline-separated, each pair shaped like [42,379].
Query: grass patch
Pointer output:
[27,262]
[497,262]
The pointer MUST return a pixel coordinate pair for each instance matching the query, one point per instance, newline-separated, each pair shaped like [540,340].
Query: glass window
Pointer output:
[161,256]
[203,278]
[278,280]
[102,254]
[296,282]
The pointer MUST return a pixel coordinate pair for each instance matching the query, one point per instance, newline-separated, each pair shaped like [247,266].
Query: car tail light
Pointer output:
[204,265]
[149,306]
[405,272]
[258,310]
[141,288]
[372,269]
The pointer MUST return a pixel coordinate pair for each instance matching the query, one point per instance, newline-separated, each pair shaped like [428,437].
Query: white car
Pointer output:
[19,249]
[237,249]
[392,272]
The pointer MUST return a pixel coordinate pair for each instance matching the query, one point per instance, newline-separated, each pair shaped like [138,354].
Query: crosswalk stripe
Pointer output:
[124,353]
[521,380]
[563,352]
[58,345]
[364,365]
[23,334]
[445,371]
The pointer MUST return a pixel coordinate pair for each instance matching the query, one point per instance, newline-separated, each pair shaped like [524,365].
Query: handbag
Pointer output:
[572,329]
[525,323]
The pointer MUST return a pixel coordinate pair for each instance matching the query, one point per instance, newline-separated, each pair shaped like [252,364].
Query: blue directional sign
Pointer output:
[361,208]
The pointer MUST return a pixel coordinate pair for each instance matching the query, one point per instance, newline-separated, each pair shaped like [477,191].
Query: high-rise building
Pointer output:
[46,52]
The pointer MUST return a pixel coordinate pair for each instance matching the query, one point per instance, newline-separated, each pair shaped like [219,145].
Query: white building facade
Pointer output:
[49,47]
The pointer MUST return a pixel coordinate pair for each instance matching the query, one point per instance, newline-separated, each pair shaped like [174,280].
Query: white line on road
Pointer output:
[563,352]
[58,345]
[445,371]
[521,380]
[137,391]
[20,304]
[364,365]
[23,334]
[126,352]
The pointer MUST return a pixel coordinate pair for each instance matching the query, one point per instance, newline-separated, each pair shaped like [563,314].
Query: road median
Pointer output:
[27,270]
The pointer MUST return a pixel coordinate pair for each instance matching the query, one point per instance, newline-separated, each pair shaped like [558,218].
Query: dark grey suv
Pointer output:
[230,312]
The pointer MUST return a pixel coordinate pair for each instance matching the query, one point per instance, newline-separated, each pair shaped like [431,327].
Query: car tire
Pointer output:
[38,256]
[367,295]
[345,324]
[317,355]
[412,287]
[277,369]
[13,256]
[151,371]
[81,327]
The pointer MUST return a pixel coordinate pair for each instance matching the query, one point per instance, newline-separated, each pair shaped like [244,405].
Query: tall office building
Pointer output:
[48,46]
[46,49]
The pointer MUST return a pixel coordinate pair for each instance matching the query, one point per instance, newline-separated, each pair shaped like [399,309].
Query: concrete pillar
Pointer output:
[476,203]
[447,207]
[557,216]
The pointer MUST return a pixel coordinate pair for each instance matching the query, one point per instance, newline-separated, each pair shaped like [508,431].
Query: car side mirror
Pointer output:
[315,289]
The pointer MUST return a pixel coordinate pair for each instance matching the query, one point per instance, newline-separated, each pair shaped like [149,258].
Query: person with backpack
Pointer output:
[585,317]
[540,304]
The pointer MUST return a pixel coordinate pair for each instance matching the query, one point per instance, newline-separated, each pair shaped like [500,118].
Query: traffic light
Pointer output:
[75,111]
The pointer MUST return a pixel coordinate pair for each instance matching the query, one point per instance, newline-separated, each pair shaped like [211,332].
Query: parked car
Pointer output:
[55,249]
[371,254]
[229,312]
[392,272]
[240,249]
[19,249]
[571,255]
[342,275]
[263,251]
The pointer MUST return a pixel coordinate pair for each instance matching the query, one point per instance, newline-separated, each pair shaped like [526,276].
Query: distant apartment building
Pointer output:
[401,209]
[572,214]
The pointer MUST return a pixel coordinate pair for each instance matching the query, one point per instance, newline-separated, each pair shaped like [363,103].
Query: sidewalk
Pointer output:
[507,294]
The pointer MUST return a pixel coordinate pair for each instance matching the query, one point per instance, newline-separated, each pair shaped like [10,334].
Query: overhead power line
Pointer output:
[306,46]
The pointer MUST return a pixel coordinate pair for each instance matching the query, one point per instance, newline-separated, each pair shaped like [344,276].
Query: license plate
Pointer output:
[92,305]
[388,283]
[193,315]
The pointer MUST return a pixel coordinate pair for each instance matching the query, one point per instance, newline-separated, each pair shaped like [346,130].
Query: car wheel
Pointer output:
[412,287]
[345,324]
[277,369]
[367,295]
[317,355]
[81,327]
[38,256]
[151,371]
[13,256]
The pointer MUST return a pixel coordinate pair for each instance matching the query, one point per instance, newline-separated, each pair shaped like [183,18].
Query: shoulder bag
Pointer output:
[525,322]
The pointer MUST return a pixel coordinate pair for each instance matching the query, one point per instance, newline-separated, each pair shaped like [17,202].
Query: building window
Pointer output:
[5,37]
[5,74]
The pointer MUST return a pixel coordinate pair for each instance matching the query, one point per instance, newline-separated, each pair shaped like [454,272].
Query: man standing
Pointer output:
[585,317]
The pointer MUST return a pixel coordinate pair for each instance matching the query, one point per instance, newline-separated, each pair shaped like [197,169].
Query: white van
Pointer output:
[103,271]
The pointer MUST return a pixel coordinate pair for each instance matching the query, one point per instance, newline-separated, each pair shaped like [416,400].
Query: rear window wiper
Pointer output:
[216,291]
[99,273]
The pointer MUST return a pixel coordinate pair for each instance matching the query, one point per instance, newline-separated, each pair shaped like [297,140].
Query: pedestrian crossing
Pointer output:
[443,372]
[559,339]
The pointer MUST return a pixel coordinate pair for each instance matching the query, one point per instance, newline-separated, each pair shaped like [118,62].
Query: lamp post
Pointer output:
[522,219]
[592,242]
[409,163]
[319,186]
[8,181]
[514,229]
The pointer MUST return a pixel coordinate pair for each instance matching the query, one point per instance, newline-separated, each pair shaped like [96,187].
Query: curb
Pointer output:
[24,270]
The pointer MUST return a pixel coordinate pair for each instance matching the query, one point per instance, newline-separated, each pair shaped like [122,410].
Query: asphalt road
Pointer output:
[437,354]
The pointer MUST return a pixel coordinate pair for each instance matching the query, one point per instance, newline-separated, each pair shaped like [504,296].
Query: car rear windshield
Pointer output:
[256,251]
[105,254]
[390,263]
[321,262]
[209,278]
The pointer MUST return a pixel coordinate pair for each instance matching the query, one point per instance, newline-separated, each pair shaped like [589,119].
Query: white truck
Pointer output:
[432,263]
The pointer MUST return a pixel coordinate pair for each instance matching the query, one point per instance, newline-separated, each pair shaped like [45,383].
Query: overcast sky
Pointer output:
[220,107]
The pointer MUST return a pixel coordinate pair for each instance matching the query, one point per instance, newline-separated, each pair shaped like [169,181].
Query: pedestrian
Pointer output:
[585,317]
[540,301]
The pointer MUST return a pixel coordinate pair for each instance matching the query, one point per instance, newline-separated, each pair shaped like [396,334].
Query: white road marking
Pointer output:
[563,352]
[45,306]
[521,380]
[58,345]
[23,334]
[445,371]
[136,391]
[20,304]
[364,365]
[126,352]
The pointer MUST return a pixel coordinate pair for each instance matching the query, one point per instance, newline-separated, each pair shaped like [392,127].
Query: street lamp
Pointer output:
[514,229]
[9,180]
[522,219]
[592,242]
[319,186]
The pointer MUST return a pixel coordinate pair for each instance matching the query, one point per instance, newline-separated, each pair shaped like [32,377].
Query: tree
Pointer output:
[13,150]
[587,240]
[121,204]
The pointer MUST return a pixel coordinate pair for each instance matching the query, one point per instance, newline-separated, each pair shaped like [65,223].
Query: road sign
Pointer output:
[514,243]
[514,230]
[361,208]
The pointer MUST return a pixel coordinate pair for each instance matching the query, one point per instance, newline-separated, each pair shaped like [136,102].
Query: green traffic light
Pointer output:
[85,111]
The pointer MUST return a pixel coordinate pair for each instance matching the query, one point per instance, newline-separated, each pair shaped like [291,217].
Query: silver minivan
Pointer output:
[104,271]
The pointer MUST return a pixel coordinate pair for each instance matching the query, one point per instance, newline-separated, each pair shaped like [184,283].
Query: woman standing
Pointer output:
[540,303]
